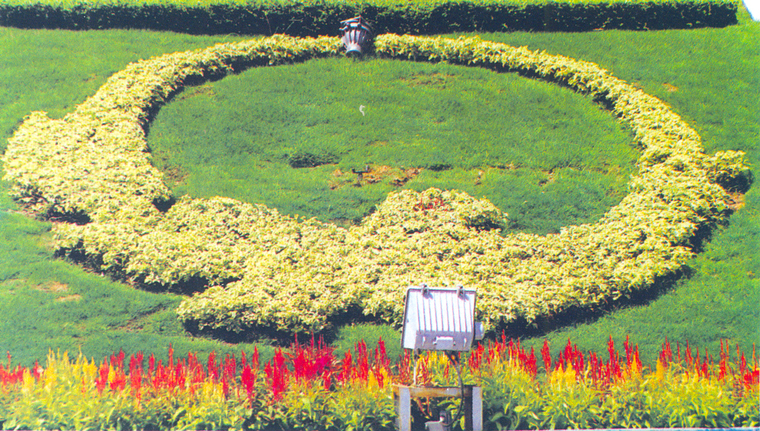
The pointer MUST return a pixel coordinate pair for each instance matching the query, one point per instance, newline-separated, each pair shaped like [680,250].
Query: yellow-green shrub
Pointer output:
[265,269]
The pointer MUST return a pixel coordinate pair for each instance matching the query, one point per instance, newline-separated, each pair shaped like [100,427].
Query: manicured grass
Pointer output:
[54,70]
[707,76]
[49,304]
[289,137]
[716,301]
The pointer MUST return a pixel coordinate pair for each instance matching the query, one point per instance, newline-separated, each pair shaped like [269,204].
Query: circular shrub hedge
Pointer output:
[266,269]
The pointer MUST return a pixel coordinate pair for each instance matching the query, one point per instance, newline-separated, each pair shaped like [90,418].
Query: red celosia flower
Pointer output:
[213,370]
[547,357]
[151,365]
[229,370]
[595,369]
[476,357]
[697,362]
[613,366]
[248,378]
[381,356]
[197,372]
[611,350]
[361,370]
[313,361]
[752,379]
[381,365]
[327,380]
[118,360]
[135,374]
[277,375]
[666,354]
[632,354]
[530,363]
[724,358]
[102,380]
[11,376]
[119,381]
[637,358]
[345,368]
[180,376]
[225,387]
[689,358]
[705,371]
[578,362]
[157,376]
[405,368]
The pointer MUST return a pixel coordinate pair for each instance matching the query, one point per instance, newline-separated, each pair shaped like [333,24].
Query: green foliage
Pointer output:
[48,304]
[310,159]
[354,408]
[712,302]
[70,397]
[34,56]
[239,136]
[305,273]
[707,83]
[509,398]
[716,302]
[348,336]
[308,388]
[322,17]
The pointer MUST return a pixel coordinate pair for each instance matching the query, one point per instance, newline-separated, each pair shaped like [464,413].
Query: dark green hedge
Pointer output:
[322,17]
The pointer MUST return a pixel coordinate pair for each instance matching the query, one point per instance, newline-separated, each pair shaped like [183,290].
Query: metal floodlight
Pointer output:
[440,319]
[356,32]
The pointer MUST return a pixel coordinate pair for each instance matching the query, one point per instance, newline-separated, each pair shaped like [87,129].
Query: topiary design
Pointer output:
[266,269]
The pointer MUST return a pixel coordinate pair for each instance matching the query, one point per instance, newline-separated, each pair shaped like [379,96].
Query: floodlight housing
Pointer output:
[441,319]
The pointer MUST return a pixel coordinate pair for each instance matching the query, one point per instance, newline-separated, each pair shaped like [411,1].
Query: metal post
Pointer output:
[473,403]
[476,405]
[468,411]
[404,408]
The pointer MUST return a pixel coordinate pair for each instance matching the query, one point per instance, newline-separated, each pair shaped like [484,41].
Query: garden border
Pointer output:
[270,270]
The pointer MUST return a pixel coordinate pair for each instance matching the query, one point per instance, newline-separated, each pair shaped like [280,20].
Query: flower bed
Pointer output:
[265,269]
[306,387]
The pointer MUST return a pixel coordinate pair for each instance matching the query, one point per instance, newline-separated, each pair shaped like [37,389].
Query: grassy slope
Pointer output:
[710,77]
[47,303]
[714,70]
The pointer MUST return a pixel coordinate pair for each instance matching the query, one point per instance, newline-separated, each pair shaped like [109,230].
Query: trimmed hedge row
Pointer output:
[322,17]
[270,270]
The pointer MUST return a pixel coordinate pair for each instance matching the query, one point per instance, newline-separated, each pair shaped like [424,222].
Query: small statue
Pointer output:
[356,32]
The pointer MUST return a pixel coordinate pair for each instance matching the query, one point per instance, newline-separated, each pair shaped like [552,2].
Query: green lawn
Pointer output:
[708,76]
[289,137]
